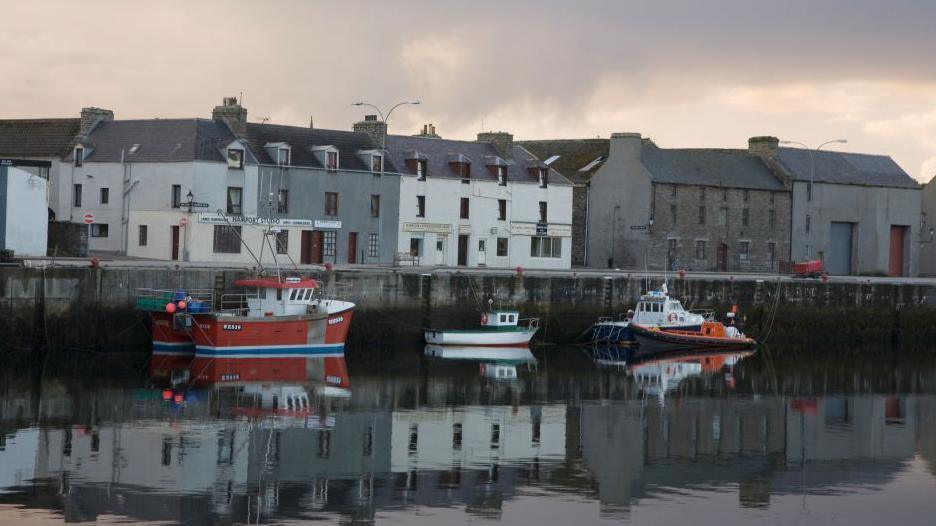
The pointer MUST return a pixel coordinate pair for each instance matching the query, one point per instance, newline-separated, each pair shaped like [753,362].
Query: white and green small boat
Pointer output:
[498,329]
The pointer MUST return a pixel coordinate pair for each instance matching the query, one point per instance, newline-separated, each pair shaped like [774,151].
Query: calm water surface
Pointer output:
[439,436]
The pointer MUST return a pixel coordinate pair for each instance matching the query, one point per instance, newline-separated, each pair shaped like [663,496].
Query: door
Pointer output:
[897,236]
[721,258]
[482,252]
[463,250]
[175,242]
[440,249]
[840,249]
[305,247]
[317,245]
[352,247]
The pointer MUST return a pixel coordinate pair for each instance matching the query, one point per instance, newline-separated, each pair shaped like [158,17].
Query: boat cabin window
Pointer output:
[512,318]
[503,318]
[279,294]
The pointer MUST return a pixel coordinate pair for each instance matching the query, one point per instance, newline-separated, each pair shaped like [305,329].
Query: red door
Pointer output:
[175,242]
[305,247]
[317,246]
[352,247]
[897,236]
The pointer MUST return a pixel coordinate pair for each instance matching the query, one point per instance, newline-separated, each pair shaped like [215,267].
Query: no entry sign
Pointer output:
[88,218]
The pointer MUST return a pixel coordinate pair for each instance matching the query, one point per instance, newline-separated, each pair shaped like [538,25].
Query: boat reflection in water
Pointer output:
[496,363]
[658,373]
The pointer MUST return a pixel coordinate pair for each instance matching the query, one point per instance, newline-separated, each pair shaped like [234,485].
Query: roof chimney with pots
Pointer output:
[373,127]
[90,117]
[231,112]
[501,141]
[428,131]
[763,146]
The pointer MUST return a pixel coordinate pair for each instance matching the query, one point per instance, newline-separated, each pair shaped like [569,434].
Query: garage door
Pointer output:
[838,262]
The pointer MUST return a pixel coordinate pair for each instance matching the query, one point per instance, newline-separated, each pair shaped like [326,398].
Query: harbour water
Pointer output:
[406,435]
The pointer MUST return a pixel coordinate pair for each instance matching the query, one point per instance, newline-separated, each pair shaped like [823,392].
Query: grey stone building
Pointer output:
[858,213]
[692,209]
[927,236]
[338,180]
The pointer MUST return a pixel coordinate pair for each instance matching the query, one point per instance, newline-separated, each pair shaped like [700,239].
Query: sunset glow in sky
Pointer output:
[685,73]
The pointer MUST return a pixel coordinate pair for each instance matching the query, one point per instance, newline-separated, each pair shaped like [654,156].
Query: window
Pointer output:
[415,246]
[773,197]
[331,160]
[744,248]
[282,242]
[700,249]
[235,159]
[99,230]
[724,195]
[376,163]
[543,177]
[673,192]
[282,202]
[329,242]
[420,169]
[482,245]
[502,209]
[227,239]
[235,195]
[79,156]
[502,175]
[772,252]
[701,215]
[702,194]
[331,203]
[464,171]
[76,195]
[542,211]
[546,247]
[105,195]
[464,208]
[809,191]
[672,213]
[746,195]
[808,223]
[373,245]
[176,197]
[502,244]
[375,205]
[745,217]
[282,156]
[772,218]
[723,216]
[420,206]
[142,236]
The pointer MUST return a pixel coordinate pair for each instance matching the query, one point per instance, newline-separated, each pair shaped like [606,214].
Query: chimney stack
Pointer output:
[764,146]
[428,131]
[625,145]
[501,141]
[231,112]
[373,127]
[91,116]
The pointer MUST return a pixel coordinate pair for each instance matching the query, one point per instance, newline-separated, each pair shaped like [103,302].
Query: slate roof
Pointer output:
[845,168]
[37,137]
[301,140]
[708,167]
[438,152]
[574,155]
[161,140]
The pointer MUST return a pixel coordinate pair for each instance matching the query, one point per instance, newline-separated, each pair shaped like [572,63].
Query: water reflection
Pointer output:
[427,431]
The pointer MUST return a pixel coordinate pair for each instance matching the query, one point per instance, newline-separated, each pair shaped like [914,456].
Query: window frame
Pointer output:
[375,205]
[373,245]
[104,195]
[239,165]
[331,204]
[464,208]
[282,201]
[224,241]
[142,235]
[76,195]
[279,155]
[79,157]
[232,208]
[281,241]
[744,250]
[422,167]
[329,156]
[420,206]
[503,247]
[502,210]
[100,230]
[543,211]
[329,243]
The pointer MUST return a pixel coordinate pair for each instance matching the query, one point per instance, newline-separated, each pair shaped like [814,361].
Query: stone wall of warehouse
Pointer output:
[90,309]
[713,228]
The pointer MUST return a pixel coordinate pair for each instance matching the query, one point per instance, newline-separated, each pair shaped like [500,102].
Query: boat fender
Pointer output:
[671,317]
[484,318]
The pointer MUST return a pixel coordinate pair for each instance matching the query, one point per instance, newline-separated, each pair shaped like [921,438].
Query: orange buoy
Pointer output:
[170,308]
[182,305]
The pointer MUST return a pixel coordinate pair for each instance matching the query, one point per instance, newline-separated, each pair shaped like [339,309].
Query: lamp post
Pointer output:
[812,180]
[384,119]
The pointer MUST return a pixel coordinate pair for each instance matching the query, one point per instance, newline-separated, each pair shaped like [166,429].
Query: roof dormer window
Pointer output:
[235,159]
[502,175]
[331,160]
[463,169]
[79,156]
[377,163]
[282,156]
[543,177]
[421,169]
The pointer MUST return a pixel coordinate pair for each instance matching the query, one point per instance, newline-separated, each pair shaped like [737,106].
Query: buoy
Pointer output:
[182,305]
[520,270]
[95,262]
[170,308]
[824,277]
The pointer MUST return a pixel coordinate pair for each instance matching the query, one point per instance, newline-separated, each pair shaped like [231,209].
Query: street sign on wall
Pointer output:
[88,218]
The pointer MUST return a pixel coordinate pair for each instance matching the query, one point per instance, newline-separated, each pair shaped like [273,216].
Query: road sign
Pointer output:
[183,221]
[638,227]
[88,218]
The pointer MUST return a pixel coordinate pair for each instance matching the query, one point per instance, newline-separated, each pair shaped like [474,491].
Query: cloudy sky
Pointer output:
[686,73]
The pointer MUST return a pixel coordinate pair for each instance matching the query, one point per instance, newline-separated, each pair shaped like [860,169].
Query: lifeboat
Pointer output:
[711,335]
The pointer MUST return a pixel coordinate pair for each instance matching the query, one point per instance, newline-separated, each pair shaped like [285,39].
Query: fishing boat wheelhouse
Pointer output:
[498,329]
[655,309]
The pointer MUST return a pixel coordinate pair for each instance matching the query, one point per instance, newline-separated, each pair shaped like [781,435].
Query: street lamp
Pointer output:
[812,179]
[384,119]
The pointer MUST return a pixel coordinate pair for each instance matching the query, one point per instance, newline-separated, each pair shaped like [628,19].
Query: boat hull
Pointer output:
[519,354]
[619,331]
[663,340]
[481,338]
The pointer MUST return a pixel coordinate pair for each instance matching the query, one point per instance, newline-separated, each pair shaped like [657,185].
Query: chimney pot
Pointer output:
[501,141]
[764,145]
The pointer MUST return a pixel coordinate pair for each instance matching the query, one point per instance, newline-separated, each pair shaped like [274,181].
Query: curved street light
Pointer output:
[384,119]
[812,178]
